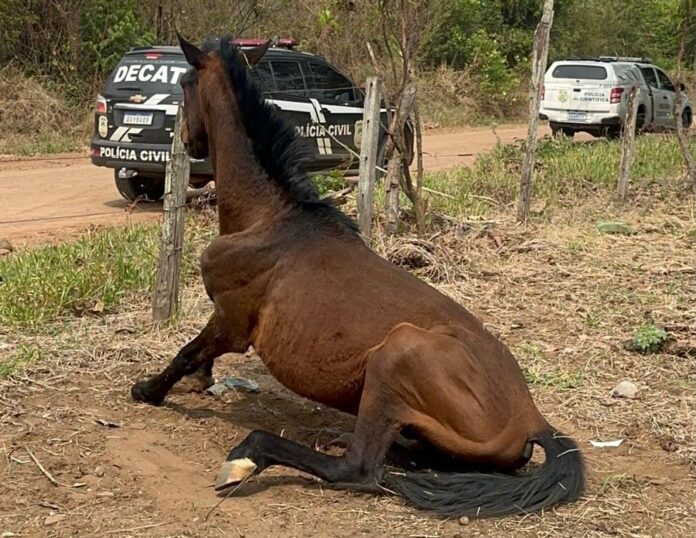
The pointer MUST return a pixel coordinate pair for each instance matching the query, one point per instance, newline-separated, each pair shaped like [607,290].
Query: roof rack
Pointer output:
[280,42]
[631,59]
[635,59]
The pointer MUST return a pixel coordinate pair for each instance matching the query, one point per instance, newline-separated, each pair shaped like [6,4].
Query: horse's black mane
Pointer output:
[274,141]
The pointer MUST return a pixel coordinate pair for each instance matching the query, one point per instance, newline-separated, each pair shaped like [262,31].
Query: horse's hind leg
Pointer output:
[195,359]
[362,463]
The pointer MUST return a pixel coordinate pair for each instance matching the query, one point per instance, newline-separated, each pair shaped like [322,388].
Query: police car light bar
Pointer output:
[284,42]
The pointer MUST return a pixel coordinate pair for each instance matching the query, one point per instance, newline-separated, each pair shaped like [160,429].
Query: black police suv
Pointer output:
[135,114]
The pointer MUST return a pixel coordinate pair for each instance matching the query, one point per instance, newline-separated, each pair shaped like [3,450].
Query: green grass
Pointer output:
[43,143]
[93,274]
[559,380]
[23,356]
[565,170]
[536,371]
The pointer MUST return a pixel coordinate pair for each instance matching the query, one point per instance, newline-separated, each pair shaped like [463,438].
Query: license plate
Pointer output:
[137,118]
[577,115]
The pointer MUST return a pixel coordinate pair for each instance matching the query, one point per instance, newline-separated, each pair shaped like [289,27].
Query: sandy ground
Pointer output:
[50,198]
[563,296]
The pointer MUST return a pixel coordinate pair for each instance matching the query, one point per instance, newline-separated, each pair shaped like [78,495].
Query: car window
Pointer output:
[288,77]
[665,83]
[650,77]
[330,85]
[262,76]
[149,76]
[626,73]
[579,71]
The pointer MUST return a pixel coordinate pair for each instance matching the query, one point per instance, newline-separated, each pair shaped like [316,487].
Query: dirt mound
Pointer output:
[28,107]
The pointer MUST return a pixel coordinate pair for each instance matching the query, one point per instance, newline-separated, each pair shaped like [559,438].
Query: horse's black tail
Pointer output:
[560,479]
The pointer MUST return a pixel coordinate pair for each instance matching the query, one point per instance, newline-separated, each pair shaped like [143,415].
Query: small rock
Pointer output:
[463,520]
[105,494]
[6,245]
[4,251]
[625,389]
[52,520]
[99,471]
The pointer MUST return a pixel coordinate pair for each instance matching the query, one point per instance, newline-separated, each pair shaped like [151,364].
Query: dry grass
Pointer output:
[34,119]
[562,295]
[452,98]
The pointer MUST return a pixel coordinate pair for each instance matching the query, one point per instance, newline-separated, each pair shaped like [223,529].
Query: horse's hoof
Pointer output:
[140,393]
[233,472]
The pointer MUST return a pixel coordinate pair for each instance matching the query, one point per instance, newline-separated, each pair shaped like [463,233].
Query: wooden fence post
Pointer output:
[540,53]
[628,141]
[368,156]
[165,297]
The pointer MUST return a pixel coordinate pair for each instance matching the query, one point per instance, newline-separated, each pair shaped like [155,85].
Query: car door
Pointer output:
[654,88]
[339,107]
[282,82]
[665,100]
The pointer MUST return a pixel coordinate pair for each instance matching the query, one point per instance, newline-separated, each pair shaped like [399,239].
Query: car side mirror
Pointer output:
[682,87]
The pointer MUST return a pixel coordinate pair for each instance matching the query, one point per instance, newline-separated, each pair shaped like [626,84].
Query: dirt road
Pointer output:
[46,199]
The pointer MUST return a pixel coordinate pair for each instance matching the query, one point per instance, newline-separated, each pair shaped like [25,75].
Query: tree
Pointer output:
[686,23]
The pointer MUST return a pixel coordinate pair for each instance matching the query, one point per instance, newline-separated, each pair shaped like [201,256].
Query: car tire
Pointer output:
[382,160]
[686,118]
[613,133]
[140,188]
[557,130]
[640,120]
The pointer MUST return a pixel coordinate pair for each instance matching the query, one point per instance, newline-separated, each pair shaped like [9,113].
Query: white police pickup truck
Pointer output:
[591,95]
[135,113]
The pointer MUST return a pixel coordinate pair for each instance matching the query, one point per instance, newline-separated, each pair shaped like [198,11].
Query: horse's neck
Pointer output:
[245,195]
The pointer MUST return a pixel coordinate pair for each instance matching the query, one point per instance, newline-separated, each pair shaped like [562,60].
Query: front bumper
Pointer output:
[141,157]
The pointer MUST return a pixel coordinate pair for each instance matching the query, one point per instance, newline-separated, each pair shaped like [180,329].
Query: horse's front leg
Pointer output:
[195,359]
[378,423]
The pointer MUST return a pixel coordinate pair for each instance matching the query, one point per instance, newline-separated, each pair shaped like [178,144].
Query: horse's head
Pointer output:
[203,65]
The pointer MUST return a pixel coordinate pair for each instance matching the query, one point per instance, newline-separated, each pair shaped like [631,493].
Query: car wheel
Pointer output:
[382,161]
[141,188]
[613,133]
[567,131]
[640,120]
[686,118]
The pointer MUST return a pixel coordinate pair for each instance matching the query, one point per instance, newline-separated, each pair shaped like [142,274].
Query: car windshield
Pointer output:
[150,73]
[580,71]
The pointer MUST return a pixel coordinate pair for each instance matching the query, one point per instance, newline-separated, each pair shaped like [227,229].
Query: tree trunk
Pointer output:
[679,104]
[394,150]
[628,141]
[165,299]
[540,54]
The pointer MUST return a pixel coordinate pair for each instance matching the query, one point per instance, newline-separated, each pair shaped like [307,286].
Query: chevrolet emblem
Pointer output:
[137,98]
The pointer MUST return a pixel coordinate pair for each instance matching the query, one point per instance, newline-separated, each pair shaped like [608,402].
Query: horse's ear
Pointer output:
[253,55]
[194,56]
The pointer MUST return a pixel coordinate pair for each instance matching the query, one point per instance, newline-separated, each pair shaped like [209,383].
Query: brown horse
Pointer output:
[337,324]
